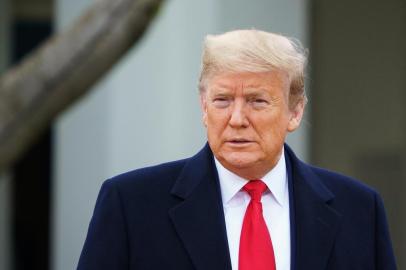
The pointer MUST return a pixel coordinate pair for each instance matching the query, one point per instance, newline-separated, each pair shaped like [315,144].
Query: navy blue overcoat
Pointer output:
[170,216]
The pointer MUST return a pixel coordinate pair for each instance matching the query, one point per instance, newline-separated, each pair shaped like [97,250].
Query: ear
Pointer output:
[296,115]
[203,106]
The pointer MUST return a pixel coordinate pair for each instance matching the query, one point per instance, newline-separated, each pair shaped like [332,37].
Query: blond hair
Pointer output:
[255,51]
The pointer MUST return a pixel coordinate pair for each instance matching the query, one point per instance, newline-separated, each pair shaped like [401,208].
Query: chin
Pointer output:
[240,161]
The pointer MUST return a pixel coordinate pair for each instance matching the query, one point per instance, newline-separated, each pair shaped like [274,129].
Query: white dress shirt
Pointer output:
[275,203]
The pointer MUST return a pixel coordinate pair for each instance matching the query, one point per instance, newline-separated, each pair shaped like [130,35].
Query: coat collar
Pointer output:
[316,222]
[199,218]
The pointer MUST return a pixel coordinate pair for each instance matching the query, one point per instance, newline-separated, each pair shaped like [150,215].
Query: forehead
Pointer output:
[249,80]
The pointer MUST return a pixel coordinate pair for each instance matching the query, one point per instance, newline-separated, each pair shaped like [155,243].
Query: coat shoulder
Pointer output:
[321,178]
[152,177]
[346,189]
[337,180]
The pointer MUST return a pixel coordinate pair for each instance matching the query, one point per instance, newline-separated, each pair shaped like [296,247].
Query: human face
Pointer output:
[247,117]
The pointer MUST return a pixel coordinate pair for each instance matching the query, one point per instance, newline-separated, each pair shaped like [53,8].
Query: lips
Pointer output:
[239,141]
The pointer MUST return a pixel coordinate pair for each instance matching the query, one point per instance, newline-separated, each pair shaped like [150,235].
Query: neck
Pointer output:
[248,173]
[255,171]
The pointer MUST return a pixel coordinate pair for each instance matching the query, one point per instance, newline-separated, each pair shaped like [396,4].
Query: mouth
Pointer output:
[239,142]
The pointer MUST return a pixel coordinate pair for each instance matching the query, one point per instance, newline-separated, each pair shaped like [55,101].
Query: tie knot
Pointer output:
[255,188]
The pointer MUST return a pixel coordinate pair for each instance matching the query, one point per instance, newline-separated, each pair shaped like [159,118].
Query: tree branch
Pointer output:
[33,93]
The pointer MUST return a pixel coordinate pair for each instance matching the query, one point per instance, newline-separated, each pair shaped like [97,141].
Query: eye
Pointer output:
[221,102]
[259,102]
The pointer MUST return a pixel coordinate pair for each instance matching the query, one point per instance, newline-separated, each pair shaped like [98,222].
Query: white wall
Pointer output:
[146,110]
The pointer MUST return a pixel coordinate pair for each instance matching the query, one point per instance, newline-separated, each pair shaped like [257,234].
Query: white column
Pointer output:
[81,159]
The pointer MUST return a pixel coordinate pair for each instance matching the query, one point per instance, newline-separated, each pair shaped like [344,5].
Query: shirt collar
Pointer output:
[275,179]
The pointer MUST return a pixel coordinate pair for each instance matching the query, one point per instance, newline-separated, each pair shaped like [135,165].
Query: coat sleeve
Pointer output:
[106,244]
[384,256]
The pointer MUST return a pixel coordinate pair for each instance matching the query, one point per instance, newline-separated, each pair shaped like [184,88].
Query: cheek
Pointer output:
[212,125]
[214,130]
[273,130]
[216,120]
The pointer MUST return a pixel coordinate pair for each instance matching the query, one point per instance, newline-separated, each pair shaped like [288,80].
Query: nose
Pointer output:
[238,117]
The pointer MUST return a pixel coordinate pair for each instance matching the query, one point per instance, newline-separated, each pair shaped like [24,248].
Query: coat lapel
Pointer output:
[199,218]
[316,221]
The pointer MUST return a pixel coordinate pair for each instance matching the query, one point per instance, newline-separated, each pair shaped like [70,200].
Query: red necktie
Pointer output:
[256,251]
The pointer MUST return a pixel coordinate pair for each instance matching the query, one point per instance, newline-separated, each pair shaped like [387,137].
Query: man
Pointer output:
[244,201]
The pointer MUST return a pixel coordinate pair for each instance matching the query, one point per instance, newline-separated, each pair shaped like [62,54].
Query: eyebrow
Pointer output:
[221,95]
[221,91]
[257,91]
[256,94]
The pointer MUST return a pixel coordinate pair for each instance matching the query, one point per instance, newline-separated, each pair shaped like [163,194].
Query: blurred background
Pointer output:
[146,111]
